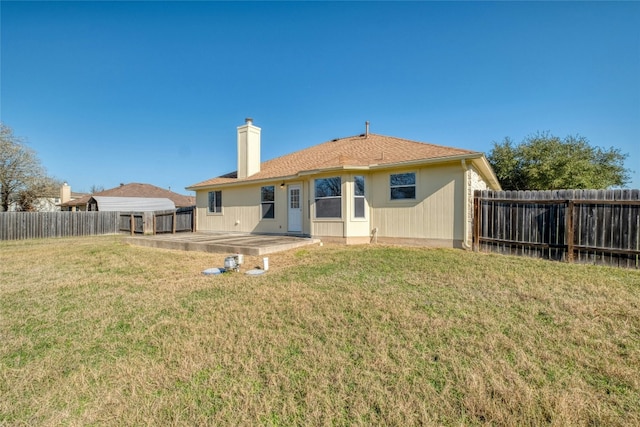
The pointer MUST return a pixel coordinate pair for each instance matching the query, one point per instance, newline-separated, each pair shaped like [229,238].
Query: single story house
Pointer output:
[143,193]
[66,196]
[356,189]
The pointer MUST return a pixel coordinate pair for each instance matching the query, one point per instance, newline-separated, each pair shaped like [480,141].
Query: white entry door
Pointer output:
[295,208]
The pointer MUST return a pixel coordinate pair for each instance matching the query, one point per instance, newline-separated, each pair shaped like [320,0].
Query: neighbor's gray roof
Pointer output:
[133,204]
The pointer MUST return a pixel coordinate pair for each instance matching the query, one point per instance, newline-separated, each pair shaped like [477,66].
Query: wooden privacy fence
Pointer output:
[169,221]
[37,225]
[585,226]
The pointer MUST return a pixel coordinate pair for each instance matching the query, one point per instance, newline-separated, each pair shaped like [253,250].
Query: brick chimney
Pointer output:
[248,149]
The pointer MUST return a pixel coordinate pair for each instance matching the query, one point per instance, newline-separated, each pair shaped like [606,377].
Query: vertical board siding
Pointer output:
[40,225]
[604,225]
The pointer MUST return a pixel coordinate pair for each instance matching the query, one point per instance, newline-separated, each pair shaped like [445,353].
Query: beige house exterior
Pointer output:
[353,190]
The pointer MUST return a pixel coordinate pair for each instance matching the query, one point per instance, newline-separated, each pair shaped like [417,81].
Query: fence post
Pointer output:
[569,230]
[132,225]
[173,227]
[476,223]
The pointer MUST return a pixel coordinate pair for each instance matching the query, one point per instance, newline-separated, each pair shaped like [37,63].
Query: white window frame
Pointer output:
[214,208]
[264,203]
[320,198]
[359,197]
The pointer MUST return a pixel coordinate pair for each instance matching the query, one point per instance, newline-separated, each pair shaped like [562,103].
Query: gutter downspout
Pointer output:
[465,239]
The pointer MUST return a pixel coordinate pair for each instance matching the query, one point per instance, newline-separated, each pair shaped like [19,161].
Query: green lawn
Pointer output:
[96,332]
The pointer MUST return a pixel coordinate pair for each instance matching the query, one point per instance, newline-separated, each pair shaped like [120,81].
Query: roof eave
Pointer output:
[430,161]
[487,172]
[240,183]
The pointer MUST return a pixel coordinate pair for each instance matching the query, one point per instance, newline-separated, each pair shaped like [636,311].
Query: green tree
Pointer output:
[546,162]
[22,177]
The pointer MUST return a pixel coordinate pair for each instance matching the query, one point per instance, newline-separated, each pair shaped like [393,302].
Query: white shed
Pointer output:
[129,204]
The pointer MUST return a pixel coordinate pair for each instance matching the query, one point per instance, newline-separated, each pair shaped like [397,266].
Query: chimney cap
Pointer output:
[248,121]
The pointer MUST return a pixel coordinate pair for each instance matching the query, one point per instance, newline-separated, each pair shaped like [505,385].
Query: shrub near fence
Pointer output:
[586,226]
[37,225]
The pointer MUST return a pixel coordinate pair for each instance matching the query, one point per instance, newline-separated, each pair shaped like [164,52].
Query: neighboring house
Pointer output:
[146,194]
[66,196]
[353,190]
[41,204]
[48,202]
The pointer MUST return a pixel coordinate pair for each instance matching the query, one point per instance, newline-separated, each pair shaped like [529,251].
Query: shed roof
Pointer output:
[138,190]
[132,204]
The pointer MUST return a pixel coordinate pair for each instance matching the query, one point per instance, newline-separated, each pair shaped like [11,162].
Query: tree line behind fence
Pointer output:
[38,225]
[584,226]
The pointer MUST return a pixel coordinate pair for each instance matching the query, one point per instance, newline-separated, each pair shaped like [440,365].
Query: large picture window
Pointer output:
[215,201]
[328,199]
[358,197]
[267,201]
[403,186]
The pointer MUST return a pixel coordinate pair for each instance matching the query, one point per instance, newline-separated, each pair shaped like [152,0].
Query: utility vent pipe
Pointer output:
[366,129]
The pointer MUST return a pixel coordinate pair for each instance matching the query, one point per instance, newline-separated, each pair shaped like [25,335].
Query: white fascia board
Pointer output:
[487,172]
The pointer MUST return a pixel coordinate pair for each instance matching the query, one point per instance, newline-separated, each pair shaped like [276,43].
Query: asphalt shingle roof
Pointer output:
[354,151]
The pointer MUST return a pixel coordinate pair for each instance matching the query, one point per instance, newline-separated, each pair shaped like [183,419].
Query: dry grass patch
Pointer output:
[96,332]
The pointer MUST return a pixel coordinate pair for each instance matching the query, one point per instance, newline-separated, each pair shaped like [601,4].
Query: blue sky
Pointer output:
[118,92]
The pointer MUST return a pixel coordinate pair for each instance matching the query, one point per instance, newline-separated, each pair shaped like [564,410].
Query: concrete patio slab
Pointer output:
[243,243]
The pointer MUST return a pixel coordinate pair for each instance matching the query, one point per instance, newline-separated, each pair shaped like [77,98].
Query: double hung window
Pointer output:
[267,202]
[403,186]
